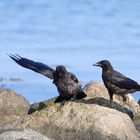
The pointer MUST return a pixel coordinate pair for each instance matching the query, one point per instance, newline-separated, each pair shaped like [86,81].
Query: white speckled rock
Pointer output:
[25,134]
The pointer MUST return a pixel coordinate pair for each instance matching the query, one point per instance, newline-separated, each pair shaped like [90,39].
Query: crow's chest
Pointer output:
[62,83]
[111,86]
[107,79]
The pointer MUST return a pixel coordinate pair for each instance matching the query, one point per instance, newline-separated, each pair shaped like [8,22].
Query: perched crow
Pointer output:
[66,82]
[115,82]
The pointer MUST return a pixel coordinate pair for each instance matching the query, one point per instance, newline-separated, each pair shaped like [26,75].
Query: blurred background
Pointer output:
[75,33]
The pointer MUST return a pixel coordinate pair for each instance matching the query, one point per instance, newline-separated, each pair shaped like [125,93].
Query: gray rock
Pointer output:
[23,134]
[12,106]
[79,121]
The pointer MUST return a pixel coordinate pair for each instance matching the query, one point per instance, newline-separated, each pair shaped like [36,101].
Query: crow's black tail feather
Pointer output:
[80,95]
[59,99]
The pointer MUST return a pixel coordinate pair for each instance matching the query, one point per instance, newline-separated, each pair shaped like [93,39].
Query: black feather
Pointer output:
[35,66]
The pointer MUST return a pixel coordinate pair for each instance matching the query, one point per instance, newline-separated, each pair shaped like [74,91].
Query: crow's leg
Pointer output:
[111,97]
[124,97]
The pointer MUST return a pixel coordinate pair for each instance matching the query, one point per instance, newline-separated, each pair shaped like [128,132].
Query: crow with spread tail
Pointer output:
[115,82]
[66,82]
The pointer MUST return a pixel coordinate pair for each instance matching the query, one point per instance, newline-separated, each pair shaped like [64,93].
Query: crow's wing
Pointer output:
[122,81]
[73,77]
[35,66]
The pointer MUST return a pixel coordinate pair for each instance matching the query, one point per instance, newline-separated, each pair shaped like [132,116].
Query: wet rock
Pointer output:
[41,105]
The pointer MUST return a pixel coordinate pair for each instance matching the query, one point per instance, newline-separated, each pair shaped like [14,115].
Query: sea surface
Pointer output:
[74,33]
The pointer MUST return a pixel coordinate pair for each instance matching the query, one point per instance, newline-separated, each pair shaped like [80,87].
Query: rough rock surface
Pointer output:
[82,121]
[137,124]
[41,105]
[23,134]
[97,90]
[12,106]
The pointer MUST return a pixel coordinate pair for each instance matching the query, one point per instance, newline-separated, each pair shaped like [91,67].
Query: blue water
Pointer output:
[69,32]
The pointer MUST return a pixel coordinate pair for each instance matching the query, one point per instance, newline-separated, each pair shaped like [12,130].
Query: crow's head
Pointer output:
[60,70]
[104,64]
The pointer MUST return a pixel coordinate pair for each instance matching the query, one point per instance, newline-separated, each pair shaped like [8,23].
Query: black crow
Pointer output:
[115,82]
[66,82]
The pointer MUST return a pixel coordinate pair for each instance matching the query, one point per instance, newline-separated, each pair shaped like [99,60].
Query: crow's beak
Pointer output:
[97,64]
